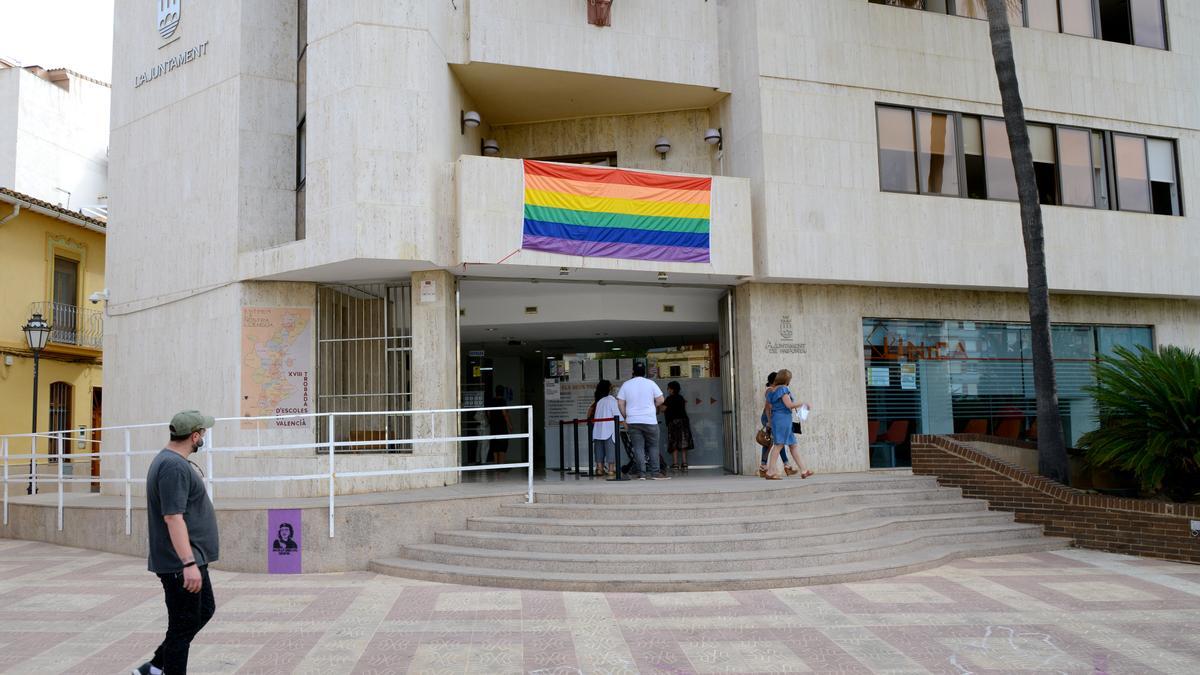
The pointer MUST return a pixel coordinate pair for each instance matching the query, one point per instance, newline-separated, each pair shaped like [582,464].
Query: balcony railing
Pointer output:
[72,325]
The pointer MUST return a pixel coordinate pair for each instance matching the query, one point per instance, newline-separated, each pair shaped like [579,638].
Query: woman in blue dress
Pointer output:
[781,402]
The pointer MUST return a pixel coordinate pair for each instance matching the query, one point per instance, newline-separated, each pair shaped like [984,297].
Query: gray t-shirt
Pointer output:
[173,486]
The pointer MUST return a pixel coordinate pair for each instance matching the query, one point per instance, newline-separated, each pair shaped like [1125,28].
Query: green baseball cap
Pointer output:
[190,421]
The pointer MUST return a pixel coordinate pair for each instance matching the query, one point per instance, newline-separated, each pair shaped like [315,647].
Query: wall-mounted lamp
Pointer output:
[467,120]
[662,276]
[489,147]
[713,137]
[562,271]
[662,146]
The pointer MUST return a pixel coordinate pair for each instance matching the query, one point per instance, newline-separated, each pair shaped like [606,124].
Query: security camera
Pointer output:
[96,297]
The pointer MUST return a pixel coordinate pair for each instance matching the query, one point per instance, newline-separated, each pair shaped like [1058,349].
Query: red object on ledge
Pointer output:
[600,12]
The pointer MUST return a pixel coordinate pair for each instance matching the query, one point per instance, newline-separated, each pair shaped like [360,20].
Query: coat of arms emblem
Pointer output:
[168,17]
[785,327]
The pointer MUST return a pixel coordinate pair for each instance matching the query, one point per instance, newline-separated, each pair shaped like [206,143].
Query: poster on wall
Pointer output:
[908,376]
[284,541]
[878,377]
[553,391]
[277,363]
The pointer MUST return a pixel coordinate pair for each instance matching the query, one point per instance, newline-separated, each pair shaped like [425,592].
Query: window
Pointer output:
[1164,193]
[301,113]
[1075,167]
[66,301]
[593,159]
[1041,143]
[1042,14]
[937,155]
[973,161]
[1077,17]
[897,151]
[941,377]
[974,9]
[998,165]
[60,415]
[958,155]
[1133,184]
[1134,22]
[1100,170]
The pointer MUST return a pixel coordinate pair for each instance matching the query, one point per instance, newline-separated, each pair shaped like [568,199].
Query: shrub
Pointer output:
[1148,406]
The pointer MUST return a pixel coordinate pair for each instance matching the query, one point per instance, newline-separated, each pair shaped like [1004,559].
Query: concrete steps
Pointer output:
[698,535]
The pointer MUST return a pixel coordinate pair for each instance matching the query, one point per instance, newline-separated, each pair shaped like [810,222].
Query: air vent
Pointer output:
[669,309]
[531,310]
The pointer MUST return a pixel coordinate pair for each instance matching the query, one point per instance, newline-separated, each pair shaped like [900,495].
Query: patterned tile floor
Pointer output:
[71,611]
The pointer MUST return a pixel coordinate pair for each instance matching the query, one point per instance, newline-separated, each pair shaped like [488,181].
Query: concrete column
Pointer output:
[816,334]
[435,360]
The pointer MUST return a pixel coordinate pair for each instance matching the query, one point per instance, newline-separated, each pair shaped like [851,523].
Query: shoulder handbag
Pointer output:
[796,418]
[763,437]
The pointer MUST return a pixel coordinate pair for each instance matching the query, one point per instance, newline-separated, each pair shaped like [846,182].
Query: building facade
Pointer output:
[345,180]
[53,192]
[51,260]
[54,136]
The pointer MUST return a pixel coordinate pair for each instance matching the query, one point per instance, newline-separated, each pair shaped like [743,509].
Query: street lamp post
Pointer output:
[37,332]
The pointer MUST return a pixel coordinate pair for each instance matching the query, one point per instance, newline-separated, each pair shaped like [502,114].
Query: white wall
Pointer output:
[492,303]
[663,40]
[54,140]
[9,87]
[823,68]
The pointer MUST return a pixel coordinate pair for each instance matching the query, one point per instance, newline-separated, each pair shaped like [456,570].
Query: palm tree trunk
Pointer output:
[1052,450]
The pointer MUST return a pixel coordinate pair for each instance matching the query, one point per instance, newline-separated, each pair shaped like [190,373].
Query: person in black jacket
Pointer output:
[679,429]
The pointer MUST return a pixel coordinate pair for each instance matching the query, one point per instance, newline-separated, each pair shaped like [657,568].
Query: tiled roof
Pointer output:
[53,207]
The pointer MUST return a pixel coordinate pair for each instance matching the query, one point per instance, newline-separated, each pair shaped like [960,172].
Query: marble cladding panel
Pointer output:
[666,40]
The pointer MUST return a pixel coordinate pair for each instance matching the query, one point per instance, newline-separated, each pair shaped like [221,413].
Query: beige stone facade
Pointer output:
[204,176]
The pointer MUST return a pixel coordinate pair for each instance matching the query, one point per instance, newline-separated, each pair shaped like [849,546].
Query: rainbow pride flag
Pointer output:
[616,213]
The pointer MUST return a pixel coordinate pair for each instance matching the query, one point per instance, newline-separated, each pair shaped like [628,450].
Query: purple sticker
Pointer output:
[283,541]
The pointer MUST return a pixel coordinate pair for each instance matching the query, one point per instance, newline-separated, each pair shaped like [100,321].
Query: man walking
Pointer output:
[639,400]
[182,530]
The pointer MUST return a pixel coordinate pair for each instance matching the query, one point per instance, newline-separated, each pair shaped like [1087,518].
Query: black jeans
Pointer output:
[186,615]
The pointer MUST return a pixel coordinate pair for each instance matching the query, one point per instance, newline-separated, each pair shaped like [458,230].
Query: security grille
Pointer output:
[364,362]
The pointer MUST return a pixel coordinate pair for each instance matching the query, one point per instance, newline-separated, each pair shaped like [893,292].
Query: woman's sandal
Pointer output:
[762,471]
[683,467]
[791,470]
[806,474]
[770,477]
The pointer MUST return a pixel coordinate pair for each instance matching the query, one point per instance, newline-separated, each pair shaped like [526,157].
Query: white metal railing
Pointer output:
[330,447]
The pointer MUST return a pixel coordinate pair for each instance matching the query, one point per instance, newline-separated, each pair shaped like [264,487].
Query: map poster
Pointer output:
[277,364]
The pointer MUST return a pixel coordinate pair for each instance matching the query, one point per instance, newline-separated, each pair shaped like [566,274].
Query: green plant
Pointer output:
[1148,405]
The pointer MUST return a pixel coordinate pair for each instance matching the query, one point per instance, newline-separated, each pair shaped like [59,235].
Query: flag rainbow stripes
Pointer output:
[616,213]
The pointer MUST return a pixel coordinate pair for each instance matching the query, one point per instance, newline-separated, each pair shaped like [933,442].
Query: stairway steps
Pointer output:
[841,532]
[682,490]
[924,557]
[764,522]
[797,555]
[698,510]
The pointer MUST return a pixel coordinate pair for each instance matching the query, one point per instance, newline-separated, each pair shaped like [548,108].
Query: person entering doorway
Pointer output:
[498,425]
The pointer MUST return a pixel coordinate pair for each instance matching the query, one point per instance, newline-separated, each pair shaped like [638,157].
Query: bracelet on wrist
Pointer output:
[189,563]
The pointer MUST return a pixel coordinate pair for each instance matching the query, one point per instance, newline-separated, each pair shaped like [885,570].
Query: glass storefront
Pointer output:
[941,377]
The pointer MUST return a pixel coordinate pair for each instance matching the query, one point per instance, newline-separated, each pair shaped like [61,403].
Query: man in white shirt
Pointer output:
[639,401]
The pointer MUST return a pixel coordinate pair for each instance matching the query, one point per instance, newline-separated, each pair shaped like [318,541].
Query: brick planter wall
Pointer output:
[1133,526]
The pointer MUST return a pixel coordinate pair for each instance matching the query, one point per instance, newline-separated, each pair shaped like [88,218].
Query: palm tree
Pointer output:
[1052,450]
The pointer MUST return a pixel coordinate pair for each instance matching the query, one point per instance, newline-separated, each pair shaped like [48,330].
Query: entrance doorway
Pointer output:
[548,344]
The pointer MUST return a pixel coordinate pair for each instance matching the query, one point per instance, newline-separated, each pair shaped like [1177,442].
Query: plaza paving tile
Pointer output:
[69,611]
